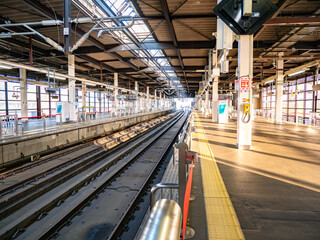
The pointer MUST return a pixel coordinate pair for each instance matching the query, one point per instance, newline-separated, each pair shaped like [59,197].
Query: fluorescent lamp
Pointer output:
[269,81]
[296,73]
[91,84]
[5,66]
[56,77]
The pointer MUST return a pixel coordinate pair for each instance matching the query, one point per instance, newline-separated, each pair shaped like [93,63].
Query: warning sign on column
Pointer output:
[244,84]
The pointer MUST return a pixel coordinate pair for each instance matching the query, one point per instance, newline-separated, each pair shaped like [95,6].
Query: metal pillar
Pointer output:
[279,89]
[116,91]
[67,25]
[30,51]
[72,88]
[215,99]
[148,98]
[245,62]
[136,88]
[84,97]
[207,103]
[155,100]
[23,92]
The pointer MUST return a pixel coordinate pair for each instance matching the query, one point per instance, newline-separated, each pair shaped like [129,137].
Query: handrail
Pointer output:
[164,221]
[158,186]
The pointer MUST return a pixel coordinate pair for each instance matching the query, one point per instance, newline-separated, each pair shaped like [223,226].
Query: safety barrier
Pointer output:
[164,221]
[9,125]
[12,125]
[159,214]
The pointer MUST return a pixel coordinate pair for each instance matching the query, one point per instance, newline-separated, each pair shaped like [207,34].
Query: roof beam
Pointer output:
[307,45]
[157,57]
[165,45]
[281,5]
[50,14]
[292,21]
[109,12]
[167,16]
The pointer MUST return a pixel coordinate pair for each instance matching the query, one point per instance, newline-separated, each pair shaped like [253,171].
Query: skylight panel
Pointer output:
[139,30]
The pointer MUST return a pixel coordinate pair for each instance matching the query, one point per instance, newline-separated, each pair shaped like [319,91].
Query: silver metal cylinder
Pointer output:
[164,221]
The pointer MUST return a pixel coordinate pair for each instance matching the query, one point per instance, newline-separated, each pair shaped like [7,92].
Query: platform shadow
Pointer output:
[234,146]
[269,174]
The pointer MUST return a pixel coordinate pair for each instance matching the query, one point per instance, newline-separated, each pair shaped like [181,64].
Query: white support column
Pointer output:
[279,89]
[155,100]
[136,88]
[201,104]
[23,94]
[245,62]
[84,97]
[148,99]
[215,99]
[207,103]
[116,91]
[72,88]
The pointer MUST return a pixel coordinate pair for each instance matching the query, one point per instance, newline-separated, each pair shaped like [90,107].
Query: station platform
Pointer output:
[36,125]
[16,149]
[269,192]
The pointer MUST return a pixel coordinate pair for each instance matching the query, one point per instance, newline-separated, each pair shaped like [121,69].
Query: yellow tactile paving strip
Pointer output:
[221,218]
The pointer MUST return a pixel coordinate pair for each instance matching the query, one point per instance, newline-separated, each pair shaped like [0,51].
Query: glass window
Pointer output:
[44,97]
[309,104]
[300,96]
[32,88]
[2,85]
[32,106]
[292,104]
[309,95]
[2,106]
[309,86]
[31,96]
[301,87]
[2,95]
[300,104]
[12,86]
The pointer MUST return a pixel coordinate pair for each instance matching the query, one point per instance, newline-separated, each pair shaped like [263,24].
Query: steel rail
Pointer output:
[69,169]
[70,211]
[120,225]
[63,153]
[96,173]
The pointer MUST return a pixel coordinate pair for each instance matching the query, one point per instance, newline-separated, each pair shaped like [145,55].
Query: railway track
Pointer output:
[41,205]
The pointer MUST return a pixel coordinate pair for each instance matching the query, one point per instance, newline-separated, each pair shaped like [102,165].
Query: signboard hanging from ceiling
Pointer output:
[233,14]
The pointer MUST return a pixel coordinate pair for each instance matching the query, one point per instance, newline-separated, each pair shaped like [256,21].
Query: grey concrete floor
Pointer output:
[37,124]
[275,186]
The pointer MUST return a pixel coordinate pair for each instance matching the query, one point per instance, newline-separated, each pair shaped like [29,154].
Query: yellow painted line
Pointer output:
[221,217]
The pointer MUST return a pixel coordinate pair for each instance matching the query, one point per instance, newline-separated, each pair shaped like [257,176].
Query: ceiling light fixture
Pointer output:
[56,77]
[296,73]
[269,81]
[90,84]
[5,66]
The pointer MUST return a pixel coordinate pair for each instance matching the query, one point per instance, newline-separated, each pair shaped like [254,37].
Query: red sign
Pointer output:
[244,83]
